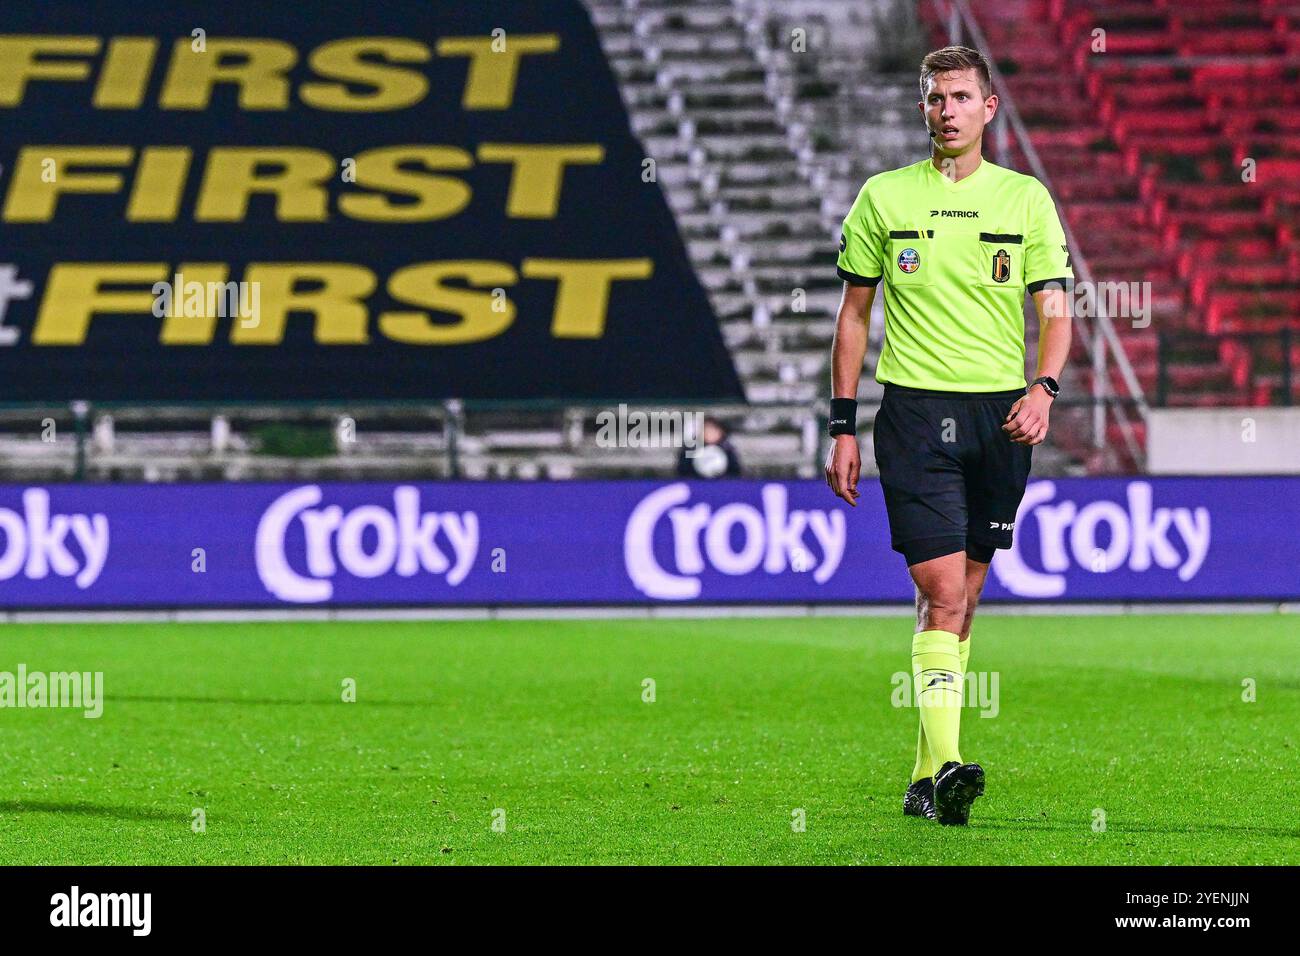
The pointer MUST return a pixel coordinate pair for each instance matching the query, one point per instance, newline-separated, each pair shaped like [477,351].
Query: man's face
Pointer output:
[956,111]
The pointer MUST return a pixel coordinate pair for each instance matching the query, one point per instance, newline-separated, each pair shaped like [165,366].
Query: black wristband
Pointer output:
[844,416]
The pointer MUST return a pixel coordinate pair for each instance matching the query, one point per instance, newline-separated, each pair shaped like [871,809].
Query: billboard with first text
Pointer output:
[246,201]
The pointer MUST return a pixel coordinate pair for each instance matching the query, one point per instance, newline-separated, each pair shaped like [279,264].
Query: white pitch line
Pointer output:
[609,612]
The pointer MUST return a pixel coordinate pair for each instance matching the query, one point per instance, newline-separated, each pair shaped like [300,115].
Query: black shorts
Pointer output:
[952,478]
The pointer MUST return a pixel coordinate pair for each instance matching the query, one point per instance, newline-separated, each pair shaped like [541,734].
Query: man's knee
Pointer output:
[943,606]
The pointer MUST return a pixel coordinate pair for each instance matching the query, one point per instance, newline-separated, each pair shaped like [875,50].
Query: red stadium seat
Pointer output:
[1162,152]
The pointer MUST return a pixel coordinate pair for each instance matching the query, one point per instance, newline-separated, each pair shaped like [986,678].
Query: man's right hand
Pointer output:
[843,465]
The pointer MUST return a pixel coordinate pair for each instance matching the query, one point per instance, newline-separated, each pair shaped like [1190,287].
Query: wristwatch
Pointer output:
[1050,385]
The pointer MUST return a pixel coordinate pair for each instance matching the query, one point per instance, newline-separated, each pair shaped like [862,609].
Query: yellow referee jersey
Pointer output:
[956,259]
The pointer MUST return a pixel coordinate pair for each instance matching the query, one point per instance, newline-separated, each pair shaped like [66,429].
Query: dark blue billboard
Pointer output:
[637,542]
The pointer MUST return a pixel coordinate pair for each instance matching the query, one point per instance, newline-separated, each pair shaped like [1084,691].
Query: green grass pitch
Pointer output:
[752,719]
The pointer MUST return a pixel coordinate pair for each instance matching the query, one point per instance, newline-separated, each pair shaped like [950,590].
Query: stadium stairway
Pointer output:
[764,119]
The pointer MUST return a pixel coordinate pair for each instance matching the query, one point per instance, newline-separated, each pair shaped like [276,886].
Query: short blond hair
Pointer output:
[951,58]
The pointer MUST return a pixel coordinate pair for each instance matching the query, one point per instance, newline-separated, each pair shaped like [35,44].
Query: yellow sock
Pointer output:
[937,682]
[924,766]
[963,654]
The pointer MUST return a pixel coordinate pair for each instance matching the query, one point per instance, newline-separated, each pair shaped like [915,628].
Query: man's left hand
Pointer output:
[1027,421]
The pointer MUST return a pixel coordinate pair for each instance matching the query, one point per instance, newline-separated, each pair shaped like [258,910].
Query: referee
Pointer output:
[957,241]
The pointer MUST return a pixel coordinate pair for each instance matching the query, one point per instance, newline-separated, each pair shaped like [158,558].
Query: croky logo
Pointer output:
[367,541]
[1001,266]
[707,544]
[1124,530]
[38,541]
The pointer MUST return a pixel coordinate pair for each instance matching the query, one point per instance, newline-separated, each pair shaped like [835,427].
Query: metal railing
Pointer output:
[444,419]
[1101,341]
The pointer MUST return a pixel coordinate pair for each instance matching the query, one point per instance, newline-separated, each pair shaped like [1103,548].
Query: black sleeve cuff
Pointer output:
[1041,284]
[853,279]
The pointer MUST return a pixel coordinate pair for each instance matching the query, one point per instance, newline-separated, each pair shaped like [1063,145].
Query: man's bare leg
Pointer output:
[976,573]
[940,606]
[947,590]
[932,612]
[941,592]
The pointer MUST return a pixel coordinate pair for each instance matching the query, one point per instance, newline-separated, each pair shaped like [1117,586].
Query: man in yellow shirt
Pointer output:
[957,242]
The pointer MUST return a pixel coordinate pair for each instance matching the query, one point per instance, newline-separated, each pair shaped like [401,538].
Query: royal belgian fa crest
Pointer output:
[1001,266]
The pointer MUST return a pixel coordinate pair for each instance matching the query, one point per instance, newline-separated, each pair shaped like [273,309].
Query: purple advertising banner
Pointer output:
[499,543]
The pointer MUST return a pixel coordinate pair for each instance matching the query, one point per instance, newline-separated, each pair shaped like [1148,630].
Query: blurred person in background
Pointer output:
[713,455]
